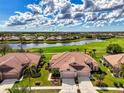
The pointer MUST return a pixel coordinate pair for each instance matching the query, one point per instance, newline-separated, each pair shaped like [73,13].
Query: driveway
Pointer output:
[68,86]
[6,84]
[86,86]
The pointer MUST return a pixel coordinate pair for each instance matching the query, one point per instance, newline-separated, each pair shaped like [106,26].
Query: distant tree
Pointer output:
[94,51]
[114,49]
[4,48]
[85,51]
[90,53]
[77,49]
[40,51]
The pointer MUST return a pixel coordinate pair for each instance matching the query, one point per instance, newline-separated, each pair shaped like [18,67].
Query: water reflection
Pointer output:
[41,45]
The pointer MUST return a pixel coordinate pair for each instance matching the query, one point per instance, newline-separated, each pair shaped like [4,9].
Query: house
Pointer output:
[114,61]
[41,38]
[11,64]
[51,38]
[14,38]
[73,64]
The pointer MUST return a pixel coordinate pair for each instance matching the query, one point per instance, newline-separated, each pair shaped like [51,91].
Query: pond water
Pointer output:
[41,45]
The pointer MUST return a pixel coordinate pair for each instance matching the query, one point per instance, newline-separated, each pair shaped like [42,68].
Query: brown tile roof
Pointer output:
[115,59]
[72,60]
[16,60]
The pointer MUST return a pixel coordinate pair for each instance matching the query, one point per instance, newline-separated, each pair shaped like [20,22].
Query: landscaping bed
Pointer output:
[45,91]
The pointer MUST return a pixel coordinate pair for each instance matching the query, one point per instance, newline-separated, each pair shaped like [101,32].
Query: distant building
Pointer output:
[41,38]
[115,61]
[11,64]
[14,38]
[51,38]
[73,64]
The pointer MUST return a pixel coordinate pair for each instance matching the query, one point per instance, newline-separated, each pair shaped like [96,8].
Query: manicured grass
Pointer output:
[106,91]
[45,91]
[99,46]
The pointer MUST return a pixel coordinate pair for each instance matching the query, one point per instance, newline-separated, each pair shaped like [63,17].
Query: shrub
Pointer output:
[116,84]
[37,83]
[114,49]
[55,72]
[36,75]
[38,70]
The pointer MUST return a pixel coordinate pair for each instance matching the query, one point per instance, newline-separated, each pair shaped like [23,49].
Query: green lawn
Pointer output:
[45,91]
[106,91]
[100,51]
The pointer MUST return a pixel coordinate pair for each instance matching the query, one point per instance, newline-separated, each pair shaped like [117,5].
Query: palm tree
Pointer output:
[90,53]
[85,51]
[28,71]
[100,78]
[94,51]
[4,48]
[121,73]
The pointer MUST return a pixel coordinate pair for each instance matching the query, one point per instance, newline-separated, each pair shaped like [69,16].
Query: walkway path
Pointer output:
[6,84]
[86,86]
[68,86]
[109,88]
[46,87]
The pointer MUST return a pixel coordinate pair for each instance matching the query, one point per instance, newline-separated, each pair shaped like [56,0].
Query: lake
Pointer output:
[42,45]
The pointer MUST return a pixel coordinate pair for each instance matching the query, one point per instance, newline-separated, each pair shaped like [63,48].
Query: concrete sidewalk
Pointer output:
[7,84]
[68,86]
[46,87]
[86,86]
[109,88]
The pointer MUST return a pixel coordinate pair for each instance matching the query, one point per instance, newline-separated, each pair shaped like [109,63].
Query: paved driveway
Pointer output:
[68,86]
[86,86]
[6,84]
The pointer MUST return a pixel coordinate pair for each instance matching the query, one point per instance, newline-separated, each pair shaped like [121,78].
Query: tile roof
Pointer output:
[115,59]
[72,60]
[16,60]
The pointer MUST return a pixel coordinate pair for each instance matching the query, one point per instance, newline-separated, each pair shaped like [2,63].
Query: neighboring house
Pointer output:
[51,38]
[115,61]
[11,64]
[14,38]
[41,38]
[73,64]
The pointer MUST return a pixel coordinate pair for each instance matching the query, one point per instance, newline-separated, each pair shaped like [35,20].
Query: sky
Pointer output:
[62,15]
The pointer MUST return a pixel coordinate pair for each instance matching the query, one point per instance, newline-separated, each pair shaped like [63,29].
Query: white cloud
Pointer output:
[62,12]
[35,8]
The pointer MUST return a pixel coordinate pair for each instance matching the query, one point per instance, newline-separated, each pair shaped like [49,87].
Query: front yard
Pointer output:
[43,79]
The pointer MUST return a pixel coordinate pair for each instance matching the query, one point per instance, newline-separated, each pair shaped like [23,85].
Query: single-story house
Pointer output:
[11,64]
[115,61]
[73,64]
